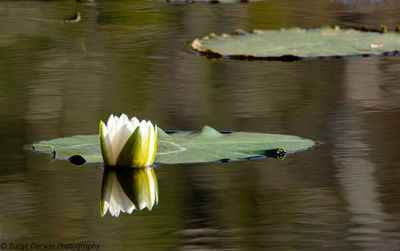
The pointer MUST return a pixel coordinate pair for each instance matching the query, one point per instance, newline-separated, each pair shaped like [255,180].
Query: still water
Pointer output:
[58,79]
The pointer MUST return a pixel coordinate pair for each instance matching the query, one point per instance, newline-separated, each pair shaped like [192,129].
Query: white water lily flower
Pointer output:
[128,143]
[126,189]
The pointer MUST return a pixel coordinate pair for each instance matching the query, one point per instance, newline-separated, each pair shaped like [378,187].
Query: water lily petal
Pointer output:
[125,148]
[150,148]
[130,153]
[116,137]
[110,121]
[123,119]
[135,122]
[153,145]
[124,134]
[120,130]
[145,131]
[105,144]
[113,125]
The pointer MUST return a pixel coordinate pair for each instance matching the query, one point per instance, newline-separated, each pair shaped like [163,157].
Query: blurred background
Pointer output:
[59,78]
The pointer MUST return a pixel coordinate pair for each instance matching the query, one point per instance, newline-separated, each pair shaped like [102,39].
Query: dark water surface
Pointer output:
[59,79]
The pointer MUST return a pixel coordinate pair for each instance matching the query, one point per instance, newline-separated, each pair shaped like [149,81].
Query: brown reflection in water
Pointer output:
[371,226]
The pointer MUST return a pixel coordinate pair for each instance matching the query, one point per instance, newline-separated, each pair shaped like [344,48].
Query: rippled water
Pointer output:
[59,79]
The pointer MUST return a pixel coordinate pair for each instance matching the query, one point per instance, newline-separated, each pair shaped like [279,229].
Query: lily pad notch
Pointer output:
[179,147]
[299,44]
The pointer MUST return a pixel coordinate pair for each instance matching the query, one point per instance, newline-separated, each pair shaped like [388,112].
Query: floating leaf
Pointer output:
[299,43]
[186,147]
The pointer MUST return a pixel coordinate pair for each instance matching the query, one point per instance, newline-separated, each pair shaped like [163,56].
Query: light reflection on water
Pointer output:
[371,227]
[60,79]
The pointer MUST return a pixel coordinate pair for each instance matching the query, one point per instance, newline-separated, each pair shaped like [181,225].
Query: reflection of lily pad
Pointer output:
[186,147]
[298,43]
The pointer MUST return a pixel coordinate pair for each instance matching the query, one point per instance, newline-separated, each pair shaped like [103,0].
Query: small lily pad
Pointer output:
[186,147]
[296,43]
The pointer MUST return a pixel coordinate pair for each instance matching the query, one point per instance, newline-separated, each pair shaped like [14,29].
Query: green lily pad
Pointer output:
[299,43]
[186,147]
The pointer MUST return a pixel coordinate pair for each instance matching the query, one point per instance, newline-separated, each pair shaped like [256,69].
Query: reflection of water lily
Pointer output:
[126,189]
[128,143]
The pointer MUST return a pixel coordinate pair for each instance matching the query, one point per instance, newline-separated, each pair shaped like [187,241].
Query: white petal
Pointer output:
[120,134]
[107,145]
[135,122]
[123,119]
[144,129]
[124,134]
[110,120]
[112,125]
